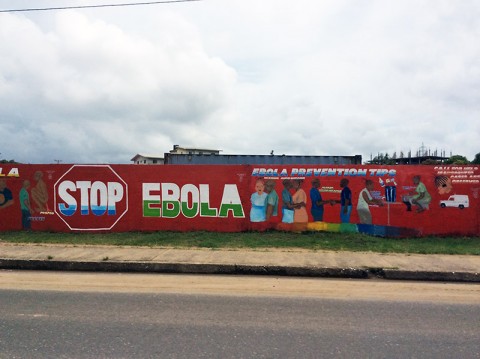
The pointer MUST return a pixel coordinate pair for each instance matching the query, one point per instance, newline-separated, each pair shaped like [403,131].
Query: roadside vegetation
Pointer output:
[258,241]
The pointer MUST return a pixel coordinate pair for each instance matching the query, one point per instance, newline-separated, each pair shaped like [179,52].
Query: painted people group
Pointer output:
[296,206]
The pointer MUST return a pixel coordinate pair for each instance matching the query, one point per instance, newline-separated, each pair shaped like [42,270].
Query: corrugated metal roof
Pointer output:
[209,159]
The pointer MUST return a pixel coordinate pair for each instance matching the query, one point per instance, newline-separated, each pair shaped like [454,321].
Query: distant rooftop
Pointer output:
[214,159]
[193,150]
[144,159]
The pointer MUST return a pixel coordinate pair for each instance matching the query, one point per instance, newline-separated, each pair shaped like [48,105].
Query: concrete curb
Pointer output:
[234,269]
[432,276]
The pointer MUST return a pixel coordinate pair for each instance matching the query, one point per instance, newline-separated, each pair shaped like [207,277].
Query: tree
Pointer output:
[457,160]
[476,160]
[383,159]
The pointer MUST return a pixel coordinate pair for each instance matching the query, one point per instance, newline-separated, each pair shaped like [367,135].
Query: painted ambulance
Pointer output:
[457,200]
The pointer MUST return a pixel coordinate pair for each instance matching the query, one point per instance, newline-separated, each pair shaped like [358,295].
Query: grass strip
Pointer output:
[258,241]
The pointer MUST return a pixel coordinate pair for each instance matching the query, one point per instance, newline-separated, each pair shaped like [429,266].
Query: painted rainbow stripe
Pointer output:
[373,230]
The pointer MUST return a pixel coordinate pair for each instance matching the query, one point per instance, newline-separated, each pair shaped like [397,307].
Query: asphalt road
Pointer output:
[170,323]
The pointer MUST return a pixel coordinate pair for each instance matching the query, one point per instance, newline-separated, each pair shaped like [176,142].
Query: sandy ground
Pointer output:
[459,293]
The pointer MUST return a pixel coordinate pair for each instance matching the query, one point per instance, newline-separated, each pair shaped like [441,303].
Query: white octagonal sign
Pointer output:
[91,197]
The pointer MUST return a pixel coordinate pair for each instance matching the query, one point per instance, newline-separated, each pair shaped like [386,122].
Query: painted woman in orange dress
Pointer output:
[299,203]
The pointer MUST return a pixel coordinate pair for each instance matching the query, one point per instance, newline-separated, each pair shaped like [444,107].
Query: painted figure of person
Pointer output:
[300,214]
[421,198]
[345,201]
[258,200]
[443,184]
[365,200]
[287,202]
[317,201]
[6,197]
[40,193]
[271,201]
[25,205]
[390,190]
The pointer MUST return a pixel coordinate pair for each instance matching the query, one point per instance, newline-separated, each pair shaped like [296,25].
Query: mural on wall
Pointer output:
[386,201]
[23,198]
[395,200]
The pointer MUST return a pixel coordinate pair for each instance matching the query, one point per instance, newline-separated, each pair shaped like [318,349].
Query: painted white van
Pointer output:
[457,200]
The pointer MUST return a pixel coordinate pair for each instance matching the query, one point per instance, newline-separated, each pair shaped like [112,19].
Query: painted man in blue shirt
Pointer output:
[317,201]
[345,201]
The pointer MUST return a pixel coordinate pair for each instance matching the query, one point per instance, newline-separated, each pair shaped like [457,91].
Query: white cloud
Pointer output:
[309,77]
[88,90]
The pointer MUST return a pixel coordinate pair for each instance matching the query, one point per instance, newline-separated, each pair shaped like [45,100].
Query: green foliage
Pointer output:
[457,160]
[383,159]
[476,160]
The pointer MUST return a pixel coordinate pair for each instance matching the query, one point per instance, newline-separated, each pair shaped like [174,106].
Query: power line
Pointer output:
[98,6]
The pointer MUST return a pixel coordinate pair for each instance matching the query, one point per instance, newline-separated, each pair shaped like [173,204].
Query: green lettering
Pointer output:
[236,209]
[206,211]
[148,211]
[170,209]
[189,212]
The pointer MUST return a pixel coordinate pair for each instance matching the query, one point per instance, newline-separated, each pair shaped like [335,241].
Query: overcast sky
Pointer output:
[303,77]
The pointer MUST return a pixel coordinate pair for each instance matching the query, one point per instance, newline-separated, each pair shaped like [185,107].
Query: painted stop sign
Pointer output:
[91,197]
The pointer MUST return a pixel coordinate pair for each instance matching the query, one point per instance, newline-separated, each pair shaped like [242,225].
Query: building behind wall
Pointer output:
[212,159]
[201,156]
[423,156]
[142,159]
[178,150]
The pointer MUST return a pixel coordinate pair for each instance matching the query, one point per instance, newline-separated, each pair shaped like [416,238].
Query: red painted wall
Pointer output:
[218,198]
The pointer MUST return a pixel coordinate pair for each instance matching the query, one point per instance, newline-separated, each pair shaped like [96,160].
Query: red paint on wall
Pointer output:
[123,198]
